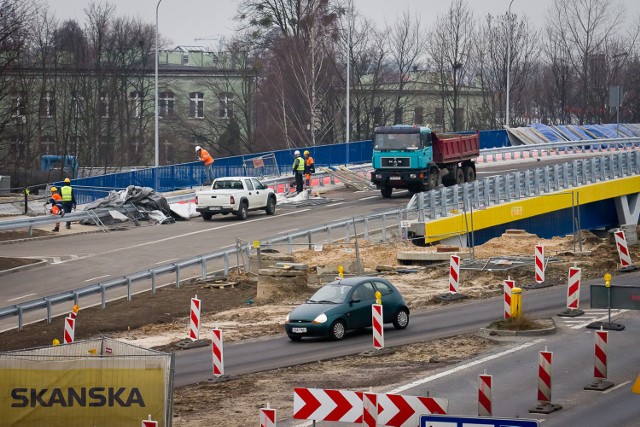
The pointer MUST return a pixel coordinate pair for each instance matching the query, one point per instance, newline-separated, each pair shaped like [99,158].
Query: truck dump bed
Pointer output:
[449,148]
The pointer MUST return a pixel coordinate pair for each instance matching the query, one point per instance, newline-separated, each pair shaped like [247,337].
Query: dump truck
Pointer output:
[418,159]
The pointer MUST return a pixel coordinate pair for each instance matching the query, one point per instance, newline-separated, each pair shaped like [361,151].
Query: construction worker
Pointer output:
[309,168]
[56,205]
[205,157]
[298,170]
[68,199]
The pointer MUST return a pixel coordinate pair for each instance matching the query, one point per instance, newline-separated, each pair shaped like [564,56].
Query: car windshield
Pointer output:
[227,184]
[330,294]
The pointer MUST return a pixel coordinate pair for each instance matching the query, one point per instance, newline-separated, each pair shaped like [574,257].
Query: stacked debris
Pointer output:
[133,203]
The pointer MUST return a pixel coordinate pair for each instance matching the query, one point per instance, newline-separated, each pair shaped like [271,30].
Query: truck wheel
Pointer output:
[459,176]
[433,179]
[242,211]
[469,174]
[271,206]
[386,192]
[206,216]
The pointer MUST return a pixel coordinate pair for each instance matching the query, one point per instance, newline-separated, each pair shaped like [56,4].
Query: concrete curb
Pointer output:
[53,236]
[22,267]
[488,332]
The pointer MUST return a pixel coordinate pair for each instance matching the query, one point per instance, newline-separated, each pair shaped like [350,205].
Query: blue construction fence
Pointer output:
[188,175]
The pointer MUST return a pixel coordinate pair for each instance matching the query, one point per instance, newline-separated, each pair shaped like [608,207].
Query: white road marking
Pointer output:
[166,260]
[23,296]
[335,204]
[465,366]
[98,277]
[370,197]
[616,387]
[166,239]
[56,260]
[597,319]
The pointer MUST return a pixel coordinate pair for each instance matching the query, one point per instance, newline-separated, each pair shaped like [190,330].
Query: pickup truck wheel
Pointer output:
[242,211]
[271,206]
[386,191]
[469,174]
[206,216]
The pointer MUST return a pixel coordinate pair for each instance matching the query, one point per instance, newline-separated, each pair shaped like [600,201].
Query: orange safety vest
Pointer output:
[206,157]
[55,209]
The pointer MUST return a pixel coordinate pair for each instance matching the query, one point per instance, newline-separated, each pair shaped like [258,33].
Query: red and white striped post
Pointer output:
[507,285]
[573,294]
[539,259]
[454,274]
[370,409]
[194,322]
[545,406]
[149,422]
[485,399]
[600,362]
[69,330]
[623,250]
[74,312]
[217,353]
[378,329]
[267,417]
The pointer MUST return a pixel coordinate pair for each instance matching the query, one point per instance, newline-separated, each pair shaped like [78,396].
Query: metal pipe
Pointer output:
[157,136]
[508,61]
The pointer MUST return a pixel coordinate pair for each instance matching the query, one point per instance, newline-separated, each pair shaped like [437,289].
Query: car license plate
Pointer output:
[299,330]
[394,178]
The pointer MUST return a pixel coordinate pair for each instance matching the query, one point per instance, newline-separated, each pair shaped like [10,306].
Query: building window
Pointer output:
[196,105]
[135,104]
[47,145]
[47,105]
[226,106]
[439,117]
[103,107]
[165,104]
[185,58]
[398,116]
[77,105]
[377,116]
[19,107]
[418,118]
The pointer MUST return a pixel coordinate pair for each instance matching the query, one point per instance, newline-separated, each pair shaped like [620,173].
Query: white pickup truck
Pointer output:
[236,195]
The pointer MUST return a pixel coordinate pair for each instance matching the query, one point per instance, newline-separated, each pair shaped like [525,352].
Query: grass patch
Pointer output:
[522,323]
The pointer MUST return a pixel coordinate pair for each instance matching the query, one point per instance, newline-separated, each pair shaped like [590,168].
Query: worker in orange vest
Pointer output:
[56,205]
[309,168]
[205,157]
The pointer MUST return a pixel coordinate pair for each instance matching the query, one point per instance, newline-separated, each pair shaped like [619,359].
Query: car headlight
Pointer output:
[379,176]
[412,175]
[320,319]
[286,319]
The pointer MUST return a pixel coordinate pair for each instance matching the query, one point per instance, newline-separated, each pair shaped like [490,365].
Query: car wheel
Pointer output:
[386,191]
[337,330]
[242,212]
[206,216]
[271,206]
[401,319]
[294,337]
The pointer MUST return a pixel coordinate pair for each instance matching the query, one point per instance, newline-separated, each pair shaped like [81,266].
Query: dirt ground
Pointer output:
[159,321]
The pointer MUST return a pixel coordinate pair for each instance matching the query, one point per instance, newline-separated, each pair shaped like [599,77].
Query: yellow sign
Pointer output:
[64,394]
[378,297]
[256,244]
[516,211]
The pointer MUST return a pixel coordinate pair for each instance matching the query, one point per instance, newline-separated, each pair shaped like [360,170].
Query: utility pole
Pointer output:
[508,61]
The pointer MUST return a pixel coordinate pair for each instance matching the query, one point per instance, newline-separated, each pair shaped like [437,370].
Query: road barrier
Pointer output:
[370,409]
[268,417]
[623,250]
[327,405]
[405,411]
[194,319]
[454,274]
[544,405]
[69,330]
[378,328]
[217,353]
[507,286]
[485,399]
[539,270]
[573,294]
[601,342]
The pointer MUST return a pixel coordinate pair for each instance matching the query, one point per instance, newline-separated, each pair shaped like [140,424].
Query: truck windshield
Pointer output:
[397,141]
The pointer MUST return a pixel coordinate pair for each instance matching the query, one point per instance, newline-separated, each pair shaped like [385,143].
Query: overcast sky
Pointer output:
[184,21]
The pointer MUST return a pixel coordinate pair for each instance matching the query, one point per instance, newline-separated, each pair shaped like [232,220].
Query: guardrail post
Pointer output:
[565,175]
[247,251]
[48,310]
[128,289]
[547,179]
[103,295]
[177,268]
[203,264]
[289,243]
[536,181]
[443,202]
[153,281]
[476,193]
[421,207]
[366,228]
[432,204]
[507,187]
[226,264]
[384,228]
[527,183]
[517,185]
[347,233]
[466,199]
[576,171]
[19,318]
[329,228]
[310,240]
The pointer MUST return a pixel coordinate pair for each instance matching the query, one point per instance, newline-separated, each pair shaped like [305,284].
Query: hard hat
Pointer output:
[296,153]
[67,180]
[54,189]
[198,148]
[306,152]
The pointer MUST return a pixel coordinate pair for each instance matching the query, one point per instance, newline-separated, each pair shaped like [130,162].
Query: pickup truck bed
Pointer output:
[448,148]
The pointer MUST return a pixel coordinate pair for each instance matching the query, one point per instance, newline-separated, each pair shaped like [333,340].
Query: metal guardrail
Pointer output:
[516,185]
[437,203]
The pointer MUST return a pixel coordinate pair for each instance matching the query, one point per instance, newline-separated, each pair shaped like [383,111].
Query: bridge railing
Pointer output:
[380,226]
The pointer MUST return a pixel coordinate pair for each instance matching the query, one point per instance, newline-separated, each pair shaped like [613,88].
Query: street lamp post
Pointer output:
[348,101]
[157,136]
[508,61]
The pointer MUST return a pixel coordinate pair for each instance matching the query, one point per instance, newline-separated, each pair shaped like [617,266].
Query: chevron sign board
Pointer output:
[396,410]
[327,405]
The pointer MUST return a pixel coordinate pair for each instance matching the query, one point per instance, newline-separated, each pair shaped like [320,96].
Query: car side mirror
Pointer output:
[355,300]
